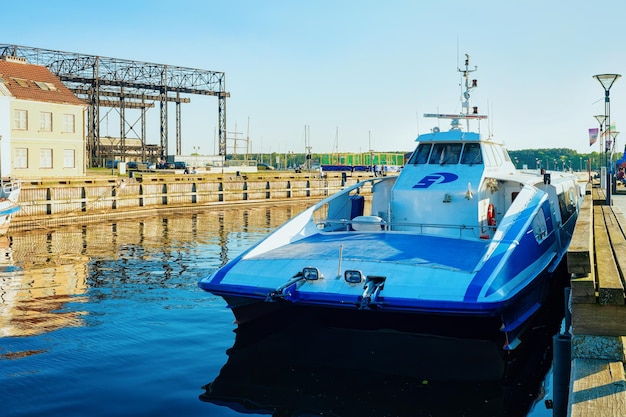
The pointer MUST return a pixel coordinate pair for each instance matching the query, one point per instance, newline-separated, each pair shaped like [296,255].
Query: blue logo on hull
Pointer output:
[436,178]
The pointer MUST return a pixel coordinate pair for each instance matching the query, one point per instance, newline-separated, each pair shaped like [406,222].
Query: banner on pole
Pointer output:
[593,136]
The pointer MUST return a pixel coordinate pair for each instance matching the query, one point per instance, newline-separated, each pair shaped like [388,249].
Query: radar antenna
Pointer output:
[469,86]
[468,113]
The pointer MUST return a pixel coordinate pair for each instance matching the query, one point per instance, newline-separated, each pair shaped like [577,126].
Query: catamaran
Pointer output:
[461,243]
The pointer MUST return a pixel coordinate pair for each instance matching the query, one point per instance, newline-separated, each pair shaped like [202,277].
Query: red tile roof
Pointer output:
[27,89]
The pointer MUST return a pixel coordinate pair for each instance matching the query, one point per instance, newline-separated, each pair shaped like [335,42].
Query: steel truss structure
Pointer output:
[125,84]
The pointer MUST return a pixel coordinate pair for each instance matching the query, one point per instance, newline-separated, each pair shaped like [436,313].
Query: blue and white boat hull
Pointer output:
[461,242]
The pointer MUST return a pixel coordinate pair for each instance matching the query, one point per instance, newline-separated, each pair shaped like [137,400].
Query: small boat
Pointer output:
[461,243]
[9,196]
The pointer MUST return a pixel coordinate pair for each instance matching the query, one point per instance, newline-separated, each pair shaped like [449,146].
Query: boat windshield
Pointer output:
[447,153]
[420,156]
[471,154]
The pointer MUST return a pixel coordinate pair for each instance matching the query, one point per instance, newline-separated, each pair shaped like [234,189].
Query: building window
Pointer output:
[45,121]
[21,120]
[21,82]
[46,86]
[69,158]
[68,123]
[20,158]
[45,158]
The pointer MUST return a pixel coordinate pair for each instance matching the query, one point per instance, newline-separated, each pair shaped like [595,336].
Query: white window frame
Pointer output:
[20,119]
[20,158]
[45,158]
[45,121]
[69,123]
[69,158]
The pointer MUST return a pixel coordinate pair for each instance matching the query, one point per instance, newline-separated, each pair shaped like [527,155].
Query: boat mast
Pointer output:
[468,87]
[468,113]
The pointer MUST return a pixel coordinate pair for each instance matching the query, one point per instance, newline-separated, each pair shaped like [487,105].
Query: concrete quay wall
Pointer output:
[46,203]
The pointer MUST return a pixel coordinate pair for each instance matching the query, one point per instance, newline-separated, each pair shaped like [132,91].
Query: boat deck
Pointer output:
[400,248]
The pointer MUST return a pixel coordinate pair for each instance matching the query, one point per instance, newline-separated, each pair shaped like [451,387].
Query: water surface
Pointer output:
[107,319]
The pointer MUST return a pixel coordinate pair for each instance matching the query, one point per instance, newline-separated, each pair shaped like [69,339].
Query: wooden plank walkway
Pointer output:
[596,261]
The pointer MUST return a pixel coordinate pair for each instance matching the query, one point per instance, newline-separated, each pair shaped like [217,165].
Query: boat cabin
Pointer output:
[447,183]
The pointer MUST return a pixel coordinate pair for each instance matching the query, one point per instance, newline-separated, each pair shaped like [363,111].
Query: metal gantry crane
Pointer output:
[126,84]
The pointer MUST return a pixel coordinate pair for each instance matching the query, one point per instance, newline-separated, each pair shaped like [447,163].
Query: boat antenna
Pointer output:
[469,86]
[467,111]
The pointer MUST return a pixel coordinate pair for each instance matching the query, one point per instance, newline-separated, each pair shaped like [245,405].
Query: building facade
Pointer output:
[42,126]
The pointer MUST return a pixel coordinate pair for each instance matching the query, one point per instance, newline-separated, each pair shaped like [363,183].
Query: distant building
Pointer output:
[42,127]
[132,150]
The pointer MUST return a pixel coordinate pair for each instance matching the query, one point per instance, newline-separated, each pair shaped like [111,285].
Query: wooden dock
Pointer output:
[596,260]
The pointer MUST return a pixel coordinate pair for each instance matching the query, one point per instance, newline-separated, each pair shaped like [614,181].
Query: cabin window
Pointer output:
[488,155]
[472,154]
[420,156]
[498,151]
[540,229]
[567,204]
[446,153]
[493,155]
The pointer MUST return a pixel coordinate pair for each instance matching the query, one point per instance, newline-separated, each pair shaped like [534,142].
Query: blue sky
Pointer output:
[359,73]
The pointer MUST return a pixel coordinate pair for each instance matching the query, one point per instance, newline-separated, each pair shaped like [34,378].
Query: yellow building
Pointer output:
[42,126]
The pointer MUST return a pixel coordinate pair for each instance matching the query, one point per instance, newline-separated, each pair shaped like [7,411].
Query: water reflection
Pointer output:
[36,283]
[41,272]
[308,369]
[107,319]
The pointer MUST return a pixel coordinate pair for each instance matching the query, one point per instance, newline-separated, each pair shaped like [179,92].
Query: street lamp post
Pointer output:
[607,80]
[600,118]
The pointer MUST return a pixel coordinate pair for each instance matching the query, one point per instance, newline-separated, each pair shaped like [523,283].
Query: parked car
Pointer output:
[263,167]
[176,165]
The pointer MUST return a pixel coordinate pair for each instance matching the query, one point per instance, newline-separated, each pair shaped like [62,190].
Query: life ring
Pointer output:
[491,215]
